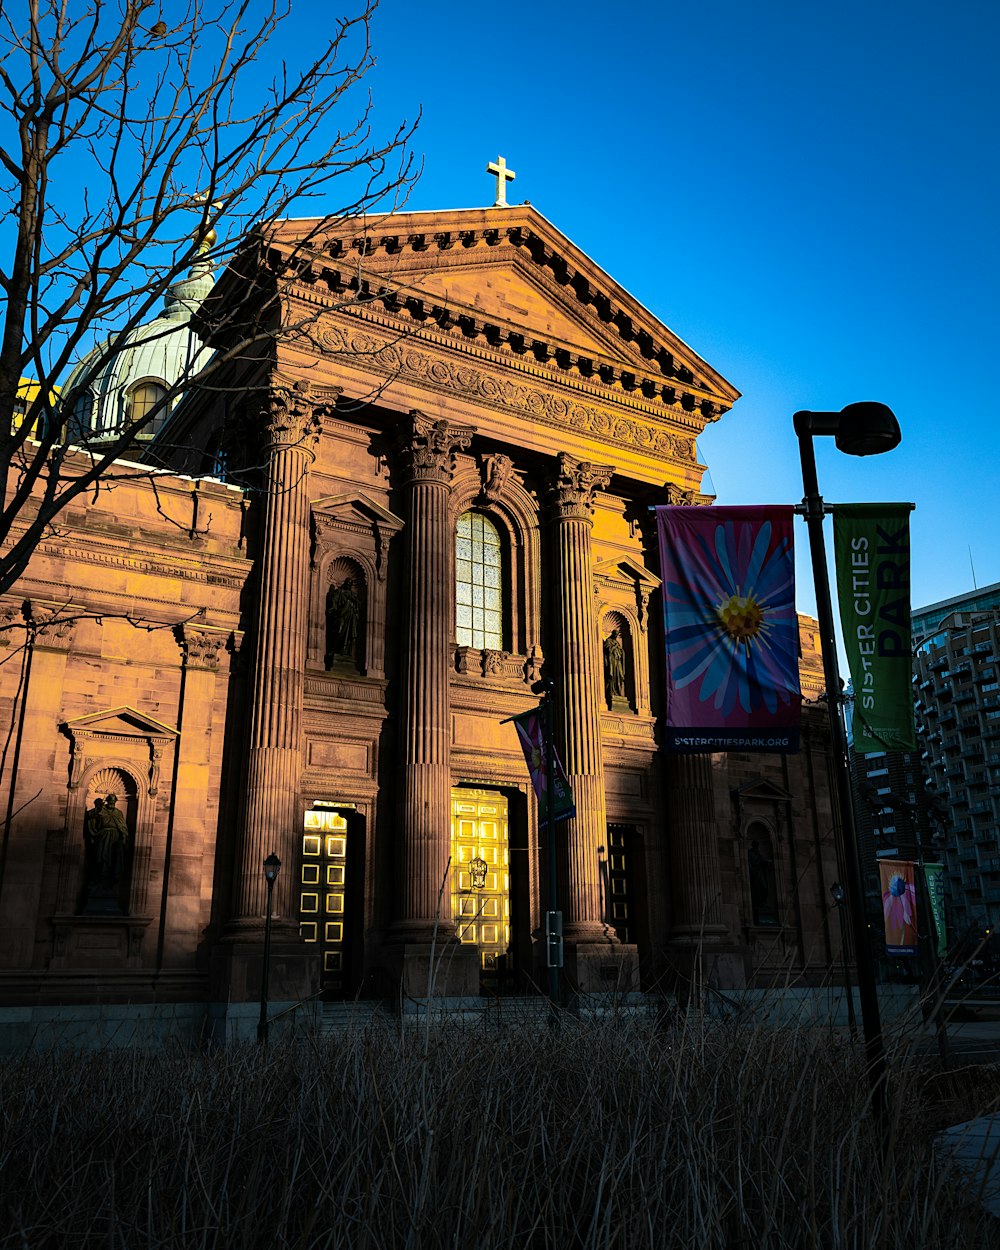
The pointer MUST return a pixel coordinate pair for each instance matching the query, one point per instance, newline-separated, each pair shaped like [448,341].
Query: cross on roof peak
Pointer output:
[503,175]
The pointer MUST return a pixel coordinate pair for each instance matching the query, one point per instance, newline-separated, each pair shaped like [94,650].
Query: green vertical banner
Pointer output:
[934,876]
[872,552]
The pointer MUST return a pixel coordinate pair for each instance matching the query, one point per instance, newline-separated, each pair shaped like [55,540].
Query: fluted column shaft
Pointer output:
[578,693]
[694,848]
[427,461]
[274,753]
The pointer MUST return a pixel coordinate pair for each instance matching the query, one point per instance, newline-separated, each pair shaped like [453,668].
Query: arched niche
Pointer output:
[351,537]
[344,586]
[623,587]
[125,752]
[619,660]
[762,875]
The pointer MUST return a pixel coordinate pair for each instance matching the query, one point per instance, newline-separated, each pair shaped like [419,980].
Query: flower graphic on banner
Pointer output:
[731,623]
[899,904]
[529,730]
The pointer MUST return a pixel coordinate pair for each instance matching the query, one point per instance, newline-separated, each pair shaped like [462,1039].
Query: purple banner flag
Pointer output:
[730,627]
[530,728]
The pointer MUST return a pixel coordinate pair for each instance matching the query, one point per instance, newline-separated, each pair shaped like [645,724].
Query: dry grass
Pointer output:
[603,1134]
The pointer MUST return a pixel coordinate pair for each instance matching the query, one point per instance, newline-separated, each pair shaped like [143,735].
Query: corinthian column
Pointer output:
[428,462]
[291,425]
[694,849]
[578,691]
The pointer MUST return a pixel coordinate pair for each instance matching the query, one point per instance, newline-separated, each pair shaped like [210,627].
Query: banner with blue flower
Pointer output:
[731,629]
[899,905]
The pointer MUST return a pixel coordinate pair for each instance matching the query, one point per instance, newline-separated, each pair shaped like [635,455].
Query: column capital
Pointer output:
[200,647]
[427,447]
[292,412]
[573,485]
[677,496]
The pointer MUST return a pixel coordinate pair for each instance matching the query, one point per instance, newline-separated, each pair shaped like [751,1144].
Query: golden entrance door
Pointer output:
[481,911]
[323,893]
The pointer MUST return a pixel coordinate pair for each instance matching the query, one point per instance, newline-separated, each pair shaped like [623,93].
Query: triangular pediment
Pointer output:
[763,791]
[124,722]
[355,507]
[625,569]
[513,295]
[499,276]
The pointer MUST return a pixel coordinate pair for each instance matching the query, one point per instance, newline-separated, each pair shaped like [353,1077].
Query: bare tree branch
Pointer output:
[168,144]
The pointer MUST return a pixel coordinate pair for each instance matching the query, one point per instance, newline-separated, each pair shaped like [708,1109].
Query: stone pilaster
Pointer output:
[427,457]
[579,684]
[290,429]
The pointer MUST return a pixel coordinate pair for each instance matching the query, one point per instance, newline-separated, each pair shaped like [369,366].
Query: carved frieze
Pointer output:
[405,360]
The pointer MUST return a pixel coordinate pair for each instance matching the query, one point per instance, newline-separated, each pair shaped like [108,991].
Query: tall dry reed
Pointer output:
[603,1134]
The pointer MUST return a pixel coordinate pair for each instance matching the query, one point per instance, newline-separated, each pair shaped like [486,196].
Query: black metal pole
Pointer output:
[845,959]
[262,1022]
[550,789]
[813,511]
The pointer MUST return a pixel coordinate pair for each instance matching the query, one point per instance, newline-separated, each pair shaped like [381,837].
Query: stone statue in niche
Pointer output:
[614,668]
[106,837]
[343,614]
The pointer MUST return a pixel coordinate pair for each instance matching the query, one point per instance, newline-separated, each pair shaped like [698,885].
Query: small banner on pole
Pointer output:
[872,550]
[899,906]
[934,876]
[731,629]
[530,728]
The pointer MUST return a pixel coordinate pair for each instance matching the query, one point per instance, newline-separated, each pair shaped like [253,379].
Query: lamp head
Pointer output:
[862,429]
[837,890]
[272,866]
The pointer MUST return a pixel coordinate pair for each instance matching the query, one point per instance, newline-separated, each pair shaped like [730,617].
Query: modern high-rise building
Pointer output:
[957,704]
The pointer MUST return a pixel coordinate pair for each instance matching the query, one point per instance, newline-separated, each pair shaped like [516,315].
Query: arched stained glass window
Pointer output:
[478,583]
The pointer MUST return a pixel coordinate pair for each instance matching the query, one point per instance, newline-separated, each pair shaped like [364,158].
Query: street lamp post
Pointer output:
[272,866]
[864,429]
[839,897]
[553,919]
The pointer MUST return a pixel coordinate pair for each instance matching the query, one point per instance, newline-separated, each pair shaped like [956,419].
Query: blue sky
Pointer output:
[806,194]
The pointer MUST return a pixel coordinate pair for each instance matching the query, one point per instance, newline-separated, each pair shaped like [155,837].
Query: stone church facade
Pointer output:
[307,632]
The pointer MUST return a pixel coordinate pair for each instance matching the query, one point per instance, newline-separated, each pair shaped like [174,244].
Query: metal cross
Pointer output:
[503,176]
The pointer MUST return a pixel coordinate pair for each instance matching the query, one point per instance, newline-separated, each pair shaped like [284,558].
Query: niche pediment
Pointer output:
[354,516]
[627,572]
[117,732]
[761,790]
[355,509]
[119,722]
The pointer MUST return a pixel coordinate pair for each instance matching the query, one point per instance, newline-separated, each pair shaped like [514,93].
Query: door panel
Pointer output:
[479,829]
[323,900]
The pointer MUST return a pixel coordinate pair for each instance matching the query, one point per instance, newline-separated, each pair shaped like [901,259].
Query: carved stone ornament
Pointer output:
[201,647]
[493,663]
[575,483]
[292,414]
[428,447]
[677,496]
[496,471]
[11,614]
